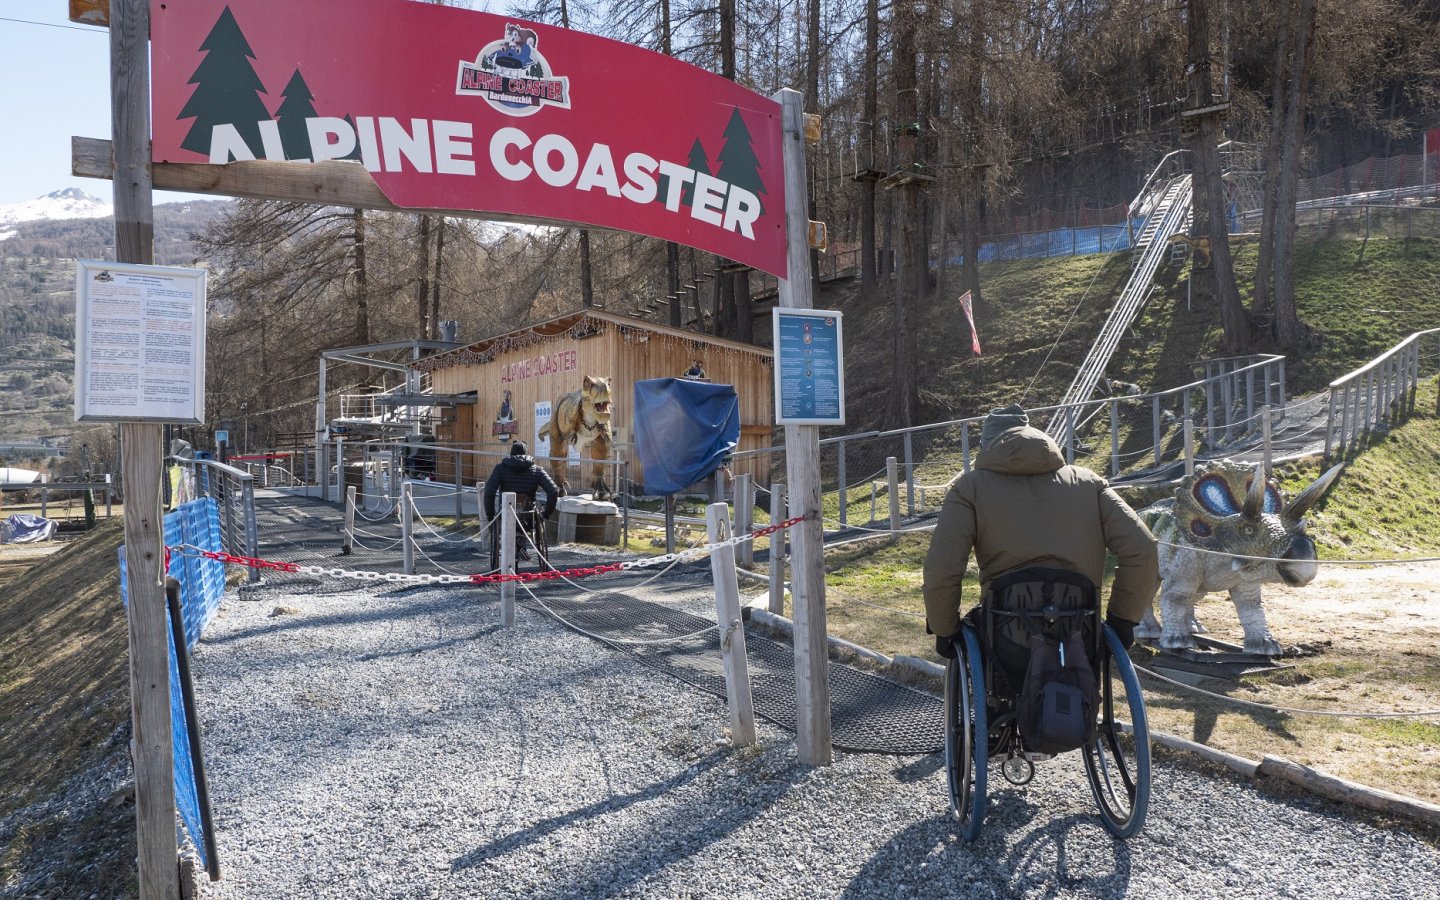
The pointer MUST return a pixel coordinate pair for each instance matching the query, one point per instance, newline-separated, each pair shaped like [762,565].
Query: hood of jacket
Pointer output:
[518,463]
[1021,451]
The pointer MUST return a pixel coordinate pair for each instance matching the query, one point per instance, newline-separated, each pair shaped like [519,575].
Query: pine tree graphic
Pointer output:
[700,162]
[293,111]
[738,164]
[227,89]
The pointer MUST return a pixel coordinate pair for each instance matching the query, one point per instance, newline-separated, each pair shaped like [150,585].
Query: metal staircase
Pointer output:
[1167,198]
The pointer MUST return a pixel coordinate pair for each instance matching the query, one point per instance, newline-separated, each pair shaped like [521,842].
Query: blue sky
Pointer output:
[56,79]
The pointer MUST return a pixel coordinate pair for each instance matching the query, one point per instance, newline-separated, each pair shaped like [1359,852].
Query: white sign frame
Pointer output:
[101,331]
[786,361]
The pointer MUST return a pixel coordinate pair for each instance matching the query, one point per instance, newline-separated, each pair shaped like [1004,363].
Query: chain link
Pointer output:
[401,578]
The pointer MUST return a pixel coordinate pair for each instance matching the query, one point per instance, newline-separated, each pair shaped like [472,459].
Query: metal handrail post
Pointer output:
[909,476]
[1114,437]
[252,537]
[1155,426]
[842,485]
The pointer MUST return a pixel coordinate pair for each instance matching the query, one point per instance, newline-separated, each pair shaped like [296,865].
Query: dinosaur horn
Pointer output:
[1306,498]
[1255,497]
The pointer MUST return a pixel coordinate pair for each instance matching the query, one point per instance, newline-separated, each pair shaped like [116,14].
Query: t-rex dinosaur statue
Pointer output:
[1228,529]
[582,419]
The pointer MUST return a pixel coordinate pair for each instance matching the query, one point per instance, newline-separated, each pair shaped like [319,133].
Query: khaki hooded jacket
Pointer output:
[1022,506]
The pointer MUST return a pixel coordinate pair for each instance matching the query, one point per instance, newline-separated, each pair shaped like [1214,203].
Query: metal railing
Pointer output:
[234,493]
[1374,398]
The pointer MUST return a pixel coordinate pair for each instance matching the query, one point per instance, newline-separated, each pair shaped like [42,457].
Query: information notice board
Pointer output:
[809,367]
[139,343]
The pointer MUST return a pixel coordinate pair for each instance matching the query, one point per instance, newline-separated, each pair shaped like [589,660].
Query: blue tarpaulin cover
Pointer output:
[683,430]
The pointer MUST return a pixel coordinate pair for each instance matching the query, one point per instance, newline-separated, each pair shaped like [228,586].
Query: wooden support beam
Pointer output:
[802,462]
[328,183]
[141,462]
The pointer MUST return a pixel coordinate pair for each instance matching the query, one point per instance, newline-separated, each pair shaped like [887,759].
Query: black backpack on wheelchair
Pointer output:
[1039,629]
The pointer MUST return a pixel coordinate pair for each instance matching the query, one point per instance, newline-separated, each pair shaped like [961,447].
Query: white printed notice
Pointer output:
[139,343]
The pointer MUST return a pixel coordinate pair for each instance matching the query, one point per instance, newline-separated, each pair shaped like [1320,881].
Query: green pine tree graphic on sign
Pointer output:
[227,90]
[738,164]
[293,111]
[700,162]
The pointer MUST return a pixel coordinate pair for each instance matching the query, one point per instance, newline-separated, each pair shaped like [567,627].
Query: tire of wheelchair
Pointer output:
[1117,764]
[966,734]
[536,528]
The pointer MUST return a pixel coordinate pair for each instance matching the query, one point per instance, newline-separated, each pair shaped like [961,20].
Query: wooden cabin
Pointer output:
[517,377]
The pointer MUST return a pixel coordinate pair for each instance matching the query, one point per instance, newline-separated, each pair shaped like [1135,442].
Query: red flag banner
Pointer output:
[448,108]
[966,305]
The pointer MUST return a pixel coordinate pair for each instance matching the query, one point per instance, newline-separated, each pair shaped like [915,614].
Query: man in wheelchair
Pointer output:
[1022,506]
[1040,530]
[519,474]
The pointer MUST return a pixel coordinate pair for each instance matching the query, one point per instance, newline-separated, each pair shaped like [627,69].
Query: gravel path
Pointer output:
[400,744]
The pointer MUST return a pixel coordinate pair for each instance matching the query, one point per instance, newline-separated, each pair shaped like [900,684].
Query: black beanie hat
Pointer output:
[517,448]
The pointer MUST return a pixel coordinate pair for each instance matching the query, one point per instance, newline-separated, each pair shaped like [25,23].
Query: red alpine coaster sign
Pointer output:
[452,109]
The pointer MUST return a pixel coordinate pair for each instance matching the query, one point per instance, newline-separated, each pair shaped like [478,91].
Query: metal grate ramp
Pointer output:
[869,714]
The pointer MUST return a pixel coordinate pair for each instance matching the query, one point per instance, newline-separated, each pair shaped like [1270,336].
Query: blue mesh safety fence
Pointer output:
[202,584]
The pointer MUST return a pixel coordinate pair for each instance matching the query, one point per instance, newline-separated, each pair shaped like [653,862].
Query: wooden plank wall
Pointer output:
[557,365]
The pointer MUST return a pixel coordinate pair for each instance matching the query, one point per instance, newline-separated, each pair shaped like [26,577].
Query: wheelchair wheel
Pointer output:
[541,543]
[1117,760]
[966,744]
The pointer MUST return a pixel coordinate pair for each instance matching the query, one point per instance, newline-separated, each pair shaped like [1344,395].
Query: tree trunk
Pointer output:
[587,284]
[972,96]
[871,116]
[812,105]
[362,283]
[744,308]
[1218,279]
[1290,332]
[422,281]
[1261,304]
[672,280]
[435,285]
[910,260]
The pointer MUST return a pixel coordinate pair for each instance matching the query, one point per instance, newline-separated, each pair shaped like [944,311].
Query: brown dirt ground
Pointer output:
[1372,632]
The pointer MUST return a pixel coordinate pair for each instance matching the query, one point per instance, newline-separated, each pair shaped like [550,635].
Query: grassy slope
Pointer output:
[64,705]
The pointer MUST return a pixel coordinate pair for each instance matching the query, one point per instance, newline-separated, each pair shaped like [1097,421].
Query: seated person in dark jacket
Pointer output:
[519,474]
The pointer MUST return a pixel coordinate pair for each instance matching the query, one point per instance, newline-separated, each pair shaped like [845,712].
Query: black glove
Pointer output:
[945,646]
[1124,629]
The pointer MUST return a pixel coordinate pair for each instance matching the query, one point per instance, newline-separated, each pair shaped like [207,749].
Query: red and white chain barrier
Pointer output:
[577,572]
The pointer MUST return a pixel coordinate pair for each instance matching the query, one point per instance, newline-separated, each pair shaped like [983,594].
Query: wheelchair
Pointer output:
[529,518]
[982,686]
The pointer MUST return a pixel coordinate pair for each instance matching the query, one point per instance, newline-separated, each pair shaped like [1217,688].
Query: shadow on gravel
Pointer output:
[928,859]
[686,825]
[432,647]
[920,768]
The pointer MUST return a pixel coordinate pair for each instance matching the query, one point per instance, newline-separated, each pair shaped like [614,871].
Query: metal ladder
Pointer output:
[1170,213]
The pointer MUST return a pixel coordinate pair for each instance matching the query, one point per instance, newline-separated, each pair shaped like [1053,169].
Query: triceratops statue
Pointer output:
[1228,529]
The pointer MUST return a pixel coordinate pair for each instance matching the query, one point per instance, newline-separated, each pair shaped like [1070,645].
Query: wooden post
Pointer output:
[507,559]
[777,549]
[732,629]
[744,516]
[802,463]
[44,503]
[407,528]
[892,477]
[346,547]
[142,455]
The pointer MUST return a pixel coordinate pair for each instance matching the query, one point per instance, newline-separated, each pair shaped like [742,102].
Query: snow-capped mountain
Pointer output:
[70,203]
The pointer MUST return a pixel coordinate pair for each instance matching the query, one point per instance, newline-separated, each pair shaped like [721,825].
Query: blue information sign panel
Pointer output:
[809,367]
